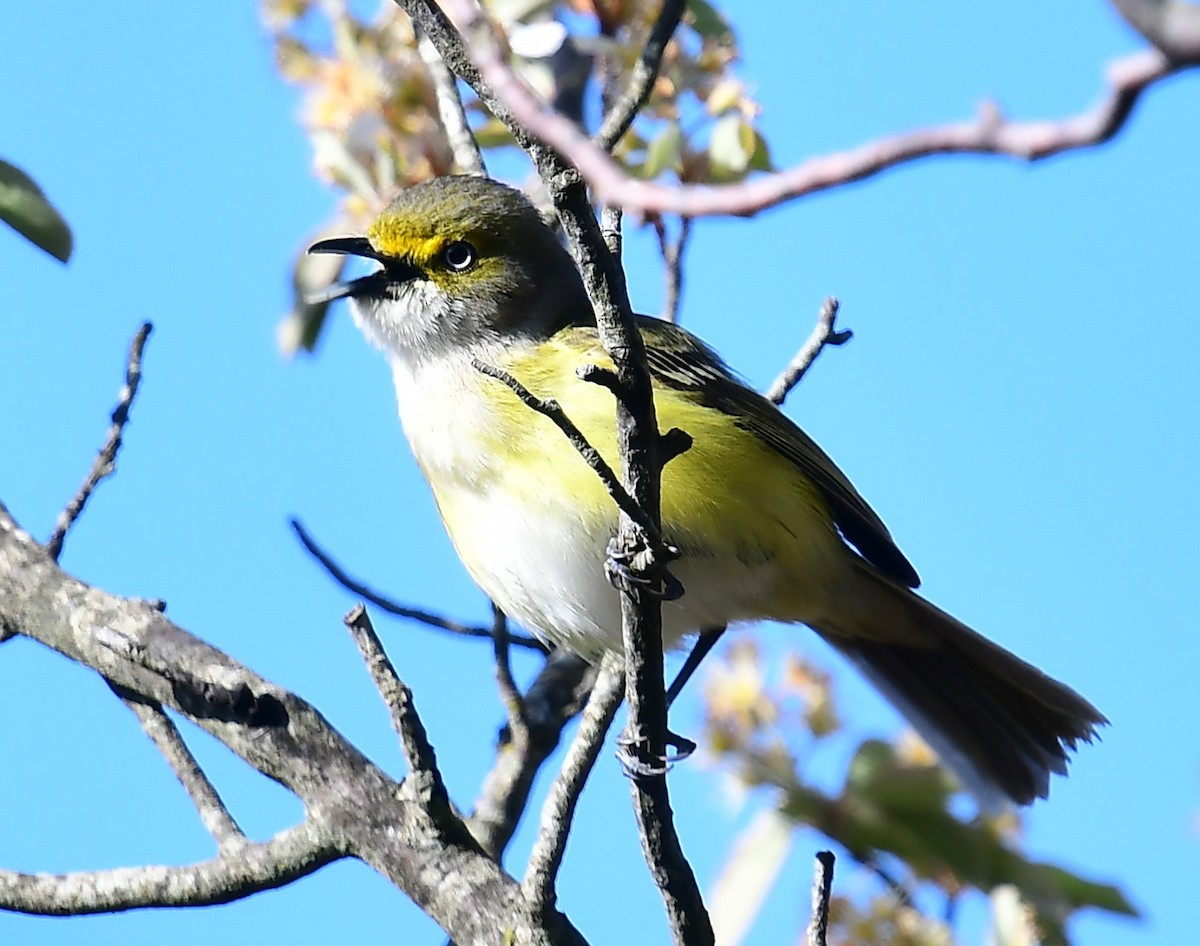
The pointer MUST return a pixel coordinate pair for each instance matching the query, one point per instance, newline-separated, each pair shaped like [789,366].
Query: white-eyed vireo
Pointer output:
[768,526]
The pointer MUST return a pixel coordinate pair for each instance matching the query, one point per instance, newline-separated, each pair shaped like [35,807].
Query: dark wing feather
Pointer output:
[680,360]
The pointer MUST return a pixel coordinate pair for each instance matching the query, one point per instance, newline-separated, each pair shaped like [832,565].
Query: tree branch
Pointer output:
[672,255]
[559,807]
[240,870]
[463,145]
[510,696]
[418,753]
[106,460]
[821,893]
[367,814]
[391,606]
[553,699]
[166,737]
[990,133]
[823,334]
[624,110]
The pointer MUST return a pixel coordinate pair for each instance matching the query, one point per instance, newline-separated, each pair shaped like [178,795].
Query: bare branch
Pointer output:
[822,890]
[465,148]
[823,334]
[510,696]
[990,133]
[625,109]
[559,807]
[240,870]
[136,647]
[555,697]
[106,460]
[672,254]
[353,585]
[1171,25]
[418,753]
[166,737]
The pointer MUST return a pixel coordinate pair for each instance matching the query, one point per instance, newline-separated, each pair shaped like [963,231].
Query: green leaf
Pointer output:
[665,152]
[760,159]
[25,208]
[708,21]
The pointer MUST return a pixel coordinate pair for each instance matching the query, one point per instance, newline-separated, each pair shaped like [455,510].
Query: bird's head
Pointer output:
[463,261]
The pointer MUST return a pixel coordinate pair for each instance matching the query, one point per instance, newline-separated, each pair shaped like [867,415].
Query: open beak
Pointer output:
[370,285]
[347,246]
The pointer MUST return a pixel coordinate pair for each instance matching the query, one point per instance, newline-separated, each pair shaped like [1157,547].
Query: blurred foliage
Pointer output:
[370,108]
[25,208]
[894,813]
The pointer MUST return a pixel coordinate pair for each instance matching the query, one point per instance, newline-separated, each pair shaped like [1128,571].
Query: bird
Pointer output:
[469,274]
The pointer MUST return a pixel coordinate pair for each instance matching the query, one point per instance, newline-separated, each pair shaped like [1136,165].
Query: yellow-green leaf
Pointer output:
[664,152]
[708,21]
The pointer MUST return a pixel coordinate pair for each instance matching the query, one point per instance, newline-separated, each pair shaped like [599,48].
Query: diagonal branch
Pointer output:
[463,145]
[166,737]
[368,814]
[554,698]
[989,133]
[418,752]
[559,808]
[353,585]
[824,333]
[625,109]
[105,463]
[239,871]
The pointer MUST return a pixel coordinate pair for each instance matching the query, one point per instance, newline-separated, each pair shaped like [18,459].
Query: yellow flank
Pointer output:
[730,501]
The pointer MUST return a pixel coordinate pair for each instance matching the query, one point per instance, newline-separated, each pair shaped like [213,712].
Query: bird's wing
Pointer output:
[679,360]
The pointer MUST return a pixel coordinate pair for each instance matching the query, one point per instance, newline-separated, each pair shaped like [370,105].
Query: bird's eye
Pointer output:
[459,256]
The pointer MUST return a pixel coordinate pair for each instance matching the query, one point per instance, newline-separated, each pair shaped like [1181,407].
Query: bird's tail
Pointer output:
[1000,724]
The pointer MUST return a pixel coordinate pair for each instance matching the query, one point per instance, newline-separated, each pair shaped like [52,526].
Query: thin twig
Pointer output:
[422,761]
[821,892]
[105,463]
[621,114]
[672,254]
[989,133]
[559,808]
[555,697]
[166,737]
[467,156]
[550,408]
[510,696]
[392,606]
[823,334]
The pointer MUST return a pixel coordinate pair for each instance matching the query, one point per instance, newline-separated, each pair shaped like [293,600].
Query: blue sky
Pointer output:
[1019,403]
